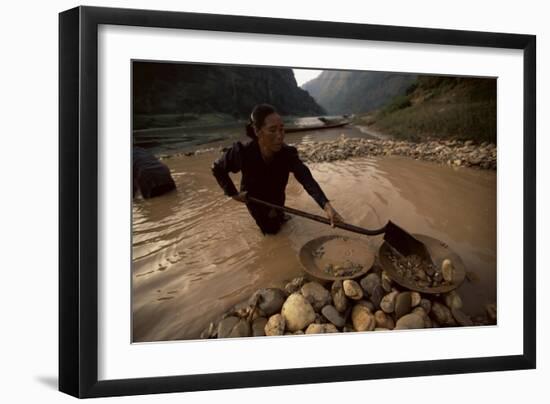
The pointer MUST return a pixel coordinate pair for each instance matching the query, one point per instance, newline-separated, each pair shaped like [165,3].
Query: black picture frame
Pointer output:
[78,200]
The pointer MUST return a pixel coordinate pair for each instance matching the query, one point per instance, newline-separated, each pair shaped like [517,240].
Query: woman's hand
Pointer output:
[332,215]
[240,197]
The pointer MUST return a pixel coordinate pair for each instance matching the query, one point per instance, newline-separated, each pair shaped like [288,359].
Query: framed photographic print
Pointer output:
[251,201]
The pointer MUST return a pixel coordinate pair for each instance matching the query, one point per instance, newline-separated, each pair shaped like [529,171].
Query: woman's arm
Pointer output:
[231,160]
[304,177]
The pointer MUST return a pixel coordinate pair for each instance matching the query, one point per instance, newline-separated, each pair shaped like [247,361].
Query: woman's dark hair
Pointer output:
[257,118]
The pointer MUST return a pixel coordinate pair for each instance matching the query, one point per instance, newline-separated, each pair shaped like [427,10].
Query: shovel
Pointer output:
[402,241]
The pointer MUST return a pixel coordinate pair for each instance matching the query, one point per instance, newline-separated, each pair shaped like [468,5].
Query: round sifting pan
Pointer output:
[337,257]
[438,251]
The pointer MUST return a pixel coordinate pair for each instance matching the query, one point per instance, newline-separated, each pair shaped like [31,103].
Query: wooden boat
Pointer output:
[317,127]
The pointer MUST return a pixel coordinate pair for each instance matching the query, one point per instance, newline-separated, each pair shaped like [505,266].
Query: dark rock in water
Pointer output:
[275,325]
[151,177]
[332,315]
[226,326]
[316,294]
[461,318]
[241,329]
[369,282]
[339,297]
[402,304]
[269,300]
[294,285]
[258,327]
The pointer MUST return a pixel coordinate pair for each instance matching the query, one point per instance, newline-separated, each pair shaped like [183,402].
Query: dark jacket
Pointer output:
[262,180]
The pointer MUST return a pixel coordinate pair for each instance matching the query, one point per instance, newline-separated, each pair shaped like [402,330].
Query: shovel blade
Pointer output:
[405,243]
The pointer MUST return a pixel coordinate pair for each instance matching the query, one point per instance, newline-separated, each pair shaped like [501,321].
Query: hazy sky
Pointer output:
[303,75]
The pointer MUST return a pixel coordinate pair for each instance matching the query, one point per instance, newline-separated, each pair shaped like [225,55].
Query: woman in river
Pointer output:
[265,163]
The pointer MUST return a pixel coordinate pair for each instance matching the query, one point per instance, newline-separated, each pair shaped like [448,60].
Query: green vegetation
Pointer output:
[399,102]
[440,107]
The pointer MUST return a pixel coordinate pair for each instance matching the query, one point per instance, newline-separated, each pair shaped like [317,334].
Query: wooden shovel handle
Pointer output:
[319,219]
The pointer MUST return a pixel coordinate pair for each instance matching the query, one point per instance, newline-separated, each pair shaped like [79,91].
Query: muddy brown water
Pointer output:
[196,253]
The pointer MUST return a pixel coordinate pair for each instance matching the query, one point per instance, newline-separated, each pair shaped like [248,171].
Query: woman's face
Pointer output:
[272,133]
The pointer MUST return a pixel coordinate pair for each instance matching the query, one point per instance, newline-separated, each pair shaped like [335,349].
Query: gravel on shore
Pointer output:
[449,152]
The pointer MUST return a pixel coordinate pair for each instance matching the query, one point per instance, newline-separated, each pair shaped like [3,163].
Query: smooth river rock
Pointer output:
[332,315]
[368,304]
[294,285]
[269,300]
[321,329]
[402,304]
[409,321]
[338,296]
[316,294]
[453,300]
[388,302]
[362,318]
[352,289]
[377,296]
[442,314]
[426,304]
[415,299]
[462,318]
[369,282]
[383,320]
[258,326]
[275,325]
[241,329]
[297,312]
[226,325]
[422,313]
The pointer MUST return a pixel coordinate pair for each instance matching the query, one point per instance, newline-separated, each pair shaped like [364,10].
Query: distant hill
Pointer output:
[344,92]
[441,107]
[168,94]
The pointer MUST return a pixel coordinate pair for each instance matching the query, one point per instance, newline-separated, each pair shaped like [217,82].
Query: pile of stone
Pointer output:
[371,303]
[450,152]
